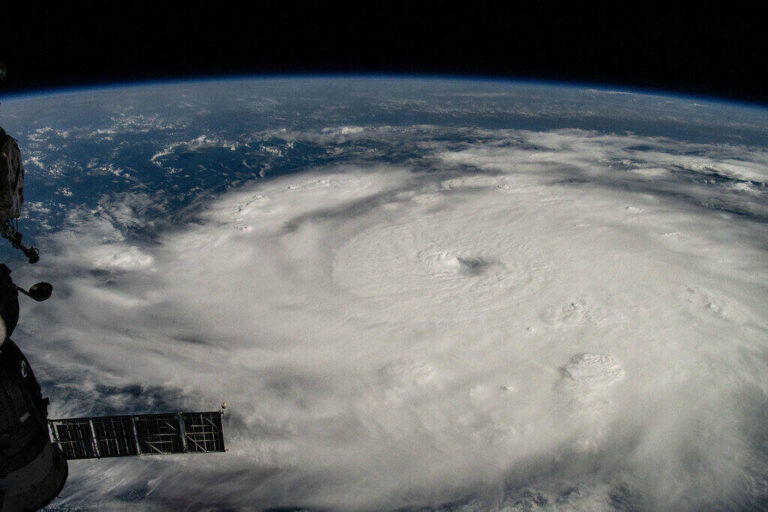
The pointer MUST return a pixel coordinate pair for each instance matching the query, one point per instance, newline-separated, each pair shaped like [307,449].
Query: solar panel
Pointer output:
[140,434]
[203,432]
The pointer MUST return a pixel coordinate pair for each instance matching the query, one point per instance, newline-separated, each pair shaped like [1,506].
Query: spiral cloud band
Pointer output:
[536,320]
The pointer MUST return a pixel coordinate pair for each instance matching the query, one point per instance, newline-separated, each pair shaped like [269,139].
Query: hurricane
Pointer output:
[406,307]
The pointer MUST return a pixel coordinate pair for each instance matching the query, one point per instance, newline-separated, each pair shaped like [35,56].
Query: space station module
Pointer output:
[11,178]
[32,469]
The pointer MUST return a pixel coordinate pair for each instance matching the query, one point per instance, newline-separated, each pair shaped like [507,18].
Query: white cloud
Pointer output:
[385,337]
[196,144]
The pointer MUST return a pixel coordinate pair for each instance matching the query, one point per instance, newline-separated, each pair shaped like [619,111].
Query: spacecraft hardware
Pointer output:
[34,449]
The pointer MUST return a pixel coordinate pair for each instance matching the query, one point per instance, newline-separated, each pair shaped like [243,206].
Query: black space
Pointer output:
[713,53]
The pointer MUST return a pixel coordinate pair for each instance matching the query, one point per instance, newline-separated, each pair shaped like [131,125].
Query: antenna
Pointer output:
[39,291]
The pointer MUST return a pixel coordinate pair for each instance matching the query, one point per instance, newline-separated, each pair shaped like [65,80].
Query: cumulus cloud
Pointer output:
[556,320]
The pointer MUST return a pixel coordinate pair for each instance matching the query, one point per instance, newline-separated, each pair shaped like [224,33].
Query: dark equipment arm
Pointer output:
[9,233]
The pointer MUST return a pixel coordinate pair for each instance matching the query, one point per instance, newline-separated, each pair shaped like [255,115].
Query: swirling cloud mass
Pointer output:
[556,319]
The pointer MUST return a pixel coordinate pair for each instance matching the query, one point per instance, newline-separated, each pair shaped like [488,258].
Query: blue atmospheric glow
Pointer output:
[511,81]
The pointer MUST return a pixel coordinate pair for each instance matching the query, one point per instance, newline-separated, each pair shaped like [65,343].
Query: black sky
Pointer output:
[716,53]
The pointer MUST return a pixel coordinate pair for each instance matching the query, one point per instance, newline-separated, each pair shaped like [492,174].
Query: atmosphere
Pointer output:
[714,51]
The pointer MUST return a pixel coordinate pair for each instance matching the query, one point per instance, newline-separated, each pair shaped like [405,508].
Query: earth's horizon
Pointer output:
[414,294]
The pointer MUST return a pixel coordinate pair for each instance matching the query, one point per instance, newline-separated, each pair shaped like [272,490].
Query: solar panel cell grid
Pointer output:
[142,434]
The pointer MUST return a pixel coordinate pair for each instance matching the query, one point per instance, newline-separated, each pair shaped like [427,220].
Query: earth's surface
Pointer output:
[461,295]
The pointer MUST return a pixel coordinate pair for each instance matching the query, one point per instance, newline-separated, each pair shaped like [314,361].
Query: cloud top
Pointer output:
[559,319]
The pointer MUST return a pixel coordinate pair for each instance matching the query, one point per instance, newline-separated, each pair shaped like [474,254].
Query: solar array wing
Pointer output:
[203,432]
[141,434]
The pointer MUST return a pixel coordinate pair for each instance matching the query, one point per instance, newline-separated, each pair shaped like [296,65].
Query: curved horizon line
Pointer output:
[605,88]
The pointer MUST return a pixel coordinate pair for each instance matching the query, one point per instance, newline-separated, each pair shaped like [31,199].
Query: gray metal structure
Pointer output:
[140,434]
